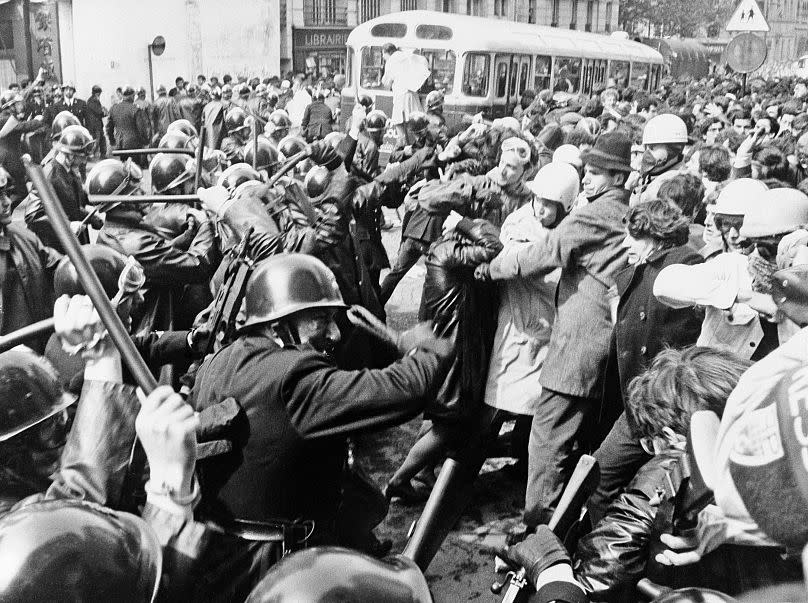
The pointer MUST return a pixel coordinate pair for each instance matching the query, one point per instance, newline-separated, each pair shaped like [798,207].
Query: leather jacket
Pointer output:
[462,309]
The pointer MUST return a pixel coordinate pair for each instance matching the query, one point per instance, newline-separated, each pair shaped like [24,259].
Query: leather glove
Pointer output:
[536,553]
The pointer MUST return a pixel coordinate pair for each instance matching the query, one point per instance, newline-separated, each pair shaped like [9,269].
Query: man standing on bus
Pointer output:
[405,74]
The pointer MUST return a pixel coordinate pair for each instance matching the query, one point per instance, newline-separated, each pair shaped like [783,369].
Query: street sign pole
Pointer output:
[156,48]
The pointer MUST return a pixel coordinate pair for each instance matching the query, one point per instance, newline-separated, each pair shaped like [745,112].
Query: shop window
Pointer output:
[500,8]
[531,11]
[574,17]
[608,25]
[409,4]
[475,75]
[556,11]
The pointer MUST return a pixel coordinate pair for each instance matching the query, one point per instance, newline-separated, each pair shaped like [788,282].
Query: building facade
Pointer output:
[314,31]
[106,42]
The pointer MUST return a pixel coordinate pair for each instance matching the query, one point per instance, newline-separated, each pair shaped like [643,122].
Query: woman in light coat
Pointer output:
[527,305]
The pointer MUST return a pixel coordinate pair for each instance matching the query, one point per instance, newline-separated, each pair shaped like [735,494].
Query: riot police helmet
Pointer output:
[170,171]
[61,121]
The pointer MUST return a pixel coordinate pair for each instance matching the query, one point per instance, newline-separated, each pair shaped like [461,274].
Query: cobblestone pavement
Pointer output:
[463,569]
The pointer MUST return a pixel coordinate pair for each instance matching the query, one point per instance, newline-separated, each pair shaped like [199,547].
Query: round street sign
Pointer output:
[746,52]
[158,46]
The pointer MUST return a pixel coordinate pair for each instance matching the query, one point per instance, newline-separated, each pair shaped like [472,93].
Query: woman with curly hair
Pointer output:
[656,236]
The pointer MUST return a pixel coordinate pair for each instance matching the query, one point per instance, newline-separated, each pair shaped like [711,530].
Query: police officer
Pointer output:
[26,266]
[237,126]
[278,126]
[73,148]
[33,424]
[12,127]
[285,469]
[128,126]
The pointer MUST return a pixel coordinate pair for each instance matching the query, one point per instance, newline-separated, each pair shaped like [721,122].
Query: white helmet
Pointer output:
[739,196]
[665,128]
[568,153]
[557,182]
[779,211]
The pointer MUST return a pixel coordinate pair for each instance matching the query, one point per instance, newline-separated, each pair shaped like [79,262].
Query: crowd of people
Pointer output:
[623,274]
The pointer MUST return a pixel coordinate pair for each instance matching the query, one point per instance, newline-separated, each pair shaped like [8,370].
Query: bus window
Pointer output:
[389,30]
[475,77]
[618,74]
[442,66]
[524,74]
[639,76]
[567,74]
[502,79]
[541,77]
[349,67]
[370,75]
[433,32]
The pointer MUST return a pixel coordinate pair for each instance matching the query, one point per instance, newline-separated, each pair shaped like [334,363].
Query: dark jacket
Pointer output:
[646,326]
[317,121]
[10,153]
[161,114]
[34,265]
[462,309]
[94,116]
[70,192]
[586,245]
[127,127]
[620,549]
[78,108]
[290,444]
[167,269]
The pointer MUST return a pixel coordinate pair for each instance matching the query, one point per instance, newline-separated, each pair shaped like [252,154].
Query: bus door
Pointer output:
[501,93]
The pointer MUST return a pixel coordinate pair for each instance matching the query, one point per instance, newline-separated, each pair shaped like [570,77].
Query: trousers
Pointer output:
[557,440]
[409,253]
[619,457]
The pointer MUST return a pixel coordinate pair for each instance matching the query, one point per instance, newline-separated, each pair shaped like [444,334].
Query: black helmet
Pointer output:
[323,574]
[376,121]
[30,392]
[288,283]
[237,174]
[61,121]
[75,140]
[365,99]
[169,171]
[694,595]
[291,146]
[334,139]
[113,177]
[73,550]
[417,122]
[267,154]
[235,120]
[278,124]
[317,180]
[105,262]
[175,139]
[434,100]
[184,126]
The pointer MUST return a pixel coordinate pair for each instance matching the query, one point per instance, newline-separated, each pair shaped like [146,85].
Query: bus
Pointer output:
[484,65]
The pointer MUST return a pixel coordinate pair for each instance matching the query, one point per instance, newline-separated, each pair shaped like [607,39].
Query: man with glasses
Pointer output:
[735,286]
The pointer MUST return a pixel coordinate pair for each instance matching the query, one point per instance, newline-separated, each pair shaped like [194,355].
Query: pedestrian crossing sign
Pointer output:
[748,17]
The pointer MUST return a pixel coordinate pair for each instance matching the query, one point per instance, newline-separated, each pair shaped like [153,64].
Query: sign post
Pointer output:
[156,48]
[746,52]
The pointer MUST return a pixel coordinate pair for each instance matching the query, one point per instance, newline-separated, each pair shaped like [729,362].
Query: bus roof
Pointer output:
[497,35]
